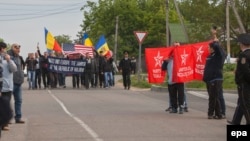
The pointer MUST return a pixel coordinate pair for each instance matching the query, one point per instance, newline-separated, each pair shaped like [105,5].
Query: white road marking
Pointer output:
[206,97]
[78,120]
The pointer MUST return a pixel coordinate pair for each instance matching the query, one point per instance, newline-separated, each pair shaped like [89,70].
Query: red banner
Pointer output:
[200,52]
[183,69]
[189,62]
[154,59]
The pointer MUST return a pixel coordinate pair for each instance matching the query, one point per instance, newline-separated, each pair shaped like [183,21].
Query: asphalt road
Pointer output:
[114,114]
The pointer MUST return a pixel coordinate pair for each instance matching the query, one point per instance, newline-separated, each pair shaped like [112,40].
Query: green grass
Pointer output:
[228,82]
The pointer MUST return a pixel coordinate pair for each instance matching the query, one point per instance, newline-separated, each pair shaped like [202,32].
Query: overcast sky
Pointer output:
[23,21]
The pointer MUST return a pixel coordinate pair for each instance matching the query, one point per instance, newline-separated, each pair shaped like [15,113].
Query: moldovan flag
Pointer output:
[154,59]
[50,42]
[102,45]
[200,52]
[86,40]
[183,70]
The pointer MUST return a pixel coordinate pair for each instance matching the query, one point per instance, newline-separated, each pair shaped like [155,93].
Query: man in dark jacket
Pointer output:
[44,63]
[242,79]
[213,77]
[125,66]
[18,79]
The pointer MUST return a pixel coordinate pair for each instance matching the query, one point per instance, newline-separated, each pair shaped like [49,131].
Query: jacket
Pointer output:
[214,64]
[18,76]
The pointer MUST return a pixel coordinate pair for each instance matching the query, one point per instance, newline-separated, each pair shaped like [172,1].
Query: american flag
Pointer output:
[75,48]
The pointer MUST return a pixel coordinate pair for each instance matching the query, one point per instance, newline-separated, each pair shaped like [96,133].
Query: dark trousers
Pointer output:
[222,102]
[82,78]
[126,79]
[176,93]
[7,97]
[95,75]
[213,89]
[75,80]
[45,77]
[88,77]
[244,101]
[101,79]
[238,114]
[38,78]
[61,79]
[53,79]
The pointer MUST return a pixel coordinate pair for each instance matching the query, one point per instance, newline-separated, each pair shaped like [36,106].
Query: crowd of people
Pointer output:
[12,78]
[98,72]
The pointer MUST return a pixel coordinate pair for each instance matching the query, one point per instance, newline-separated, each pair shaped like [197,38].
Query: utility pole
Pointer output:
[228,31]
[182,23]
[167,24]
[116,34]
[242,29]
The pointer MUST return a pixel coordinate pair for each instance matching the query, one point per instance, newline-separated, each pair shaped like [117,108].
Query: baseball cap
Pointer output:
[244,38]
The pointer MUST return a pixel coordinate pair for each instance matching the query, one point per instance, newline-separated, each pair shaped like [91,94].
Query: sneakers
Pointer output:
[173,110]
[223,116]
[181,111]
[217,117]
[20,121]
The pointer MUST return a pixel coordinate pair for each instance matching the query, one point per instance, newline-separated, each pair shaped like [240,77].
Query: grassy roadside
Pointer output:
[228,82]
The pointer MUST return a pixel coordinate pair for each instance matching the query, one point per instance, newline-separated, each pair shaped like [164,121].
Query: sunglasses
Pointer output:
[17,46]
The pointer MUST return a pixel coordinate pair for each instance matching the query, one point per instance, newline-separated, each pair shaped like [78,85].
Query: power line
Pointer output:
[42,13]
[35,12]
[39,16]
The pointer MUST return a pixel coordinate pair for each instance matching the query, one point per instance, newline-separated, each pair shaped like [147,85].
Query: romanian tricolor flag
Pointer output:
[87,41]
[102,45]
[51,42]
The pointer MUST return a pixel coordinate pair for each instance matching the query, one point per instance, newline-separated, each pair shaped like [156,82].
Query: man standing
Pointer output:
[18,80]
[38,72]
[125,66]
[176,90]
[101,75]
[213,77]
[8,67]
[44,63]
[88,71]
[242,79]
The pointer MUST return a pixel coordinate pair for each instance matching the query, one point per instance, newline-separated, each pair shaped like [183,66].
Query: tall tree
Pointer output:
[134,15]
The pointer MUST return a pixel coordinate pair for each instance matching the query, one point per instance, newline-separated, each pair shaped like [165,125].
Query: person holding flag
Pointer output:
[213,77]
[176,90]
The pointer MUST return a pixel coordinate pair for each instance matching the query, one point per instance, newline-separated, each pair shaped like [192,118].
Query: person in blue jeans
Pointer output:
[18,79]
[31,63]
